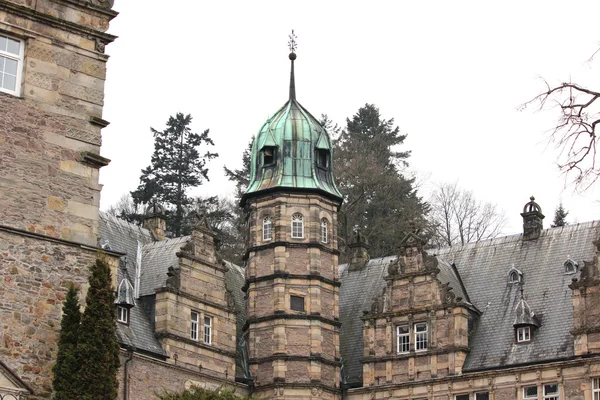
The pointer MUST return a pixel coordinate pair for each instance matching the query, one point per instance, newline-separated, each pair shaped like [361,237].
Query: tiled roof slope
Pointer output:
[483,267]
[235,279]
[124,237]
[157,257]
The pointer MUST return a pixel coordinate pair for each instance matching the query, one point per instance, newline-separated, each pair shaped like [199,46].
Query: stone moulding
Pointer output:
[372,359]
[256,320]
[94,160]
[194,298]
[291,245]
[299,385]
[177,338]
[286,357]
[285,275]
[99,122]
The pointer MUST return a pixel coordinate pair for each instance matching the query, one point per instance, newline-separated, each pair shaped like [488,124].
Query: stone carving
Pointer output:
[84,136]
[387,300]
[107,4]
[588,276]
[430,263]
[448,296]
[100,46]
[174,278]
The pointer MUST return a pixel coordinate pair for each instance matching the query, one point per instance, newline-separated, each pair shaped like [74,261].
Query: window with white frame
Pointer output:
[194,325]
[461,396]
[513,277]
[530,392]
[122,315]
[267,228]
[11,64]
[570,266]
[297,226]
[208,330]
[421,336]
[402,339]
[324,230]
[596,389]
[524,334]
[551,391]
[482,396]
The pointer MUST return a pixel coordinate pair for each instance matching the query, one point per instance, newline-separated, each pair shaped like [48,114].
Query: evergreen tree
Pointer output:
[66,367]
[98,350]
[560,215]
[176,166]
[369,171]
[197,393]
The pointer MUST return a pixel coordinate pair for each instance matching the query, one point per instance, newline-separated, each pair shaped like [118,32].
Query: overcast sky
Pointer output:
[451,73]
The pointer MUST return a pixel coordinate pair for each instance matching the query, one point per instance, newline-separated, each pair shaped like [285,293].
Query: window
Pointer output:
[122,315]
[297,226]
[208,330]
[421,336]
[482,396]
[551,391]
[267,228]
[513,277]
[194,326]
[268,156]
[403,339]
[530,392]
[323,158]
[524,334]
[596,389]
[570,266]
[11,64]
[324,230]
[461,396]
[297,303]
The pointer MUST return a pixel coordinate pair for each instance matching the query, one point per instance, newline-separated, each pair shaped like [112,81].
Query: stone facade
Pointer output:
[293,350]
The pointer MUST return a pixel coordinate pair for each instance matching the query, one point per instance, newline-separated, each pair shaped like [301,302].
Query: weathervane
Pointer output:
[292,42]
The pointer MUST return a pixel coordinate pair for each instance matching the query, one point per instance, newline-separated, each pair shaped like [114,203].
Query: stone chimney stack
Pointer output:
[532,220]
[359,247]
[155,221]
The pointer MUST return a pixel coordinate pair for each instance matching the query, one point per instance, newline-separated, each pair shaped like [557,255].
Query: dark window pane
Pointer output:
[461,397]
[482,396]
[297,303]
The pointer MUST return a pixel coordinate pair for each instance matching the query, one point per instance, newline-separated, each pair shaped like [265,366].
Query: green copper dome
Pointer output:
[292,151]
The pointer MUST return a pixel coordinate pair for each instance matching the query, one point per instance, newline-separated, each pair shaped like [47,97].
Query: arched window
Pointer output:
[297,226]
[267,228]
[324,230]
[513,277]
[570,266]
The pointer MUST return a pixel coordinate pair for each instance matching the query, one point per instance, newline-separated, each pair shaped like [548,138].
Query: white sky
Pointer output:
[451,73]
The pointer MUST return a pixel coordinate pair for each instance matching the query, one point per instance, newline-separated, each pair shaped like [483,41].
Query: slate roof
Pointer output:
[157,257]
[482,267]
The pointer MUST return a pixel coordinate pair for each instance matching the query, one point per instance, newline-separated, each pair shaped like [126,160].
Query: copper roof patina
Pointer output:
[293,151]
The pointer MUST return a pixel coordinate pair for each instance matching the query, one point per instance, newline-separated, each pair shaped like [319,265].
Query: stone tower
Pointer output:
[291,269]
[52,73]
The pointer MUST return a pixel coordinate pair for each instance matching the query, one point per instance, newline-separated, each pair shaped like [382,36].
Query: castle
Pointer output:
[516,317]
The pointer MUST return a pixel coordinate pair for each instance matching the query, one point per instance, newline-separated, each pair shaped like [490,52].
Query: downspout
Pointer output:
[125,375]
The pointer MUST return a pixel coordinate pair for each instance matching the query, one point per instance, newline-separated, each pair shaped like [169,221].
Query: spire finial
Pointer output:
[292,46]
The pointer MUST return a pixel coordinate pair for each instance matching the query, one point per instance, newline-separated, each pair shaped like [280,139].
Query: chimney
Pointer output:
[532,220]
[155,221]
[359,246]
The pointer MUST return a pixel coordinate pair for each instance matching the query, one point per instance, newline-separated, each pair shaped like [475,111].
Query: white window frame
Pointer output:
[516,274]
[208,328]
[267,229]
[19,59]
[570,267]
[122,315]
[194,318]
[297,226]
[421,337]
[525,397]
[402,339]
[551,396]
[595,388]
[324,230]
[523,334]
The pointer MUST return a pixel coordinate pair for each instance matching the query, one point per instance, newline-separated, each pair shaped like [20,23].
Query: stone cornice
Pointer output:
[21,232]
[286,357]
[103,6]
[282,384]
[284,243]
[430,352]
[177,338]
[426,310]
[191,257]
[310,317]
[286,275]
[56,22]
[194,298]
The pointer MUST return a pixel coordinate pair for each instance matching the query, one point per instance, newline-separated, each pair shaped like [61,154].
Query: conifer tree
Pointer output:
[98,350]
[176,166]
[66,367]
[560,215]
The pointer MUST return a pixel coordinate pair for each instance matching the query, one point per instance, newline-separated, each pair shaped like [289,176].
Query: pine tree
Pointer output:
[98,350]
[66,367]
[560,215]
[176,166]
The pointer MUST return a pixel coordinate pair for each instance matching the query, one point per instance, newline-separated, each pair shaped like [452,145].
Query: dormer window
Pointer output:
[122,315]
[323,158]
[514,275]
[570,266]
[524,334]
[268,156]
